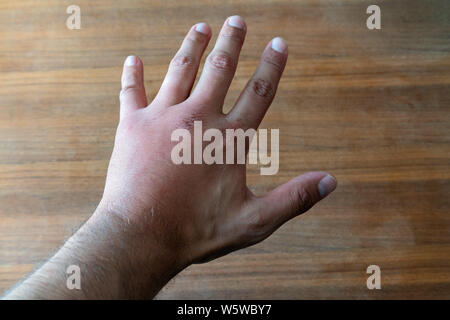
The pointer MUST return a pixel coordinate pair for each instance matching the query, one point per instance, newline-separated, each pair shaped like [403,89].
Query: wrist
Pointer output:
[130,253]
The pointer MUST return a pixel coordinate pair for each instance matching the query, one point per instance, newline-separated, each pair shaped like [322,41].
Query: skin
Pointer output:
[156,218]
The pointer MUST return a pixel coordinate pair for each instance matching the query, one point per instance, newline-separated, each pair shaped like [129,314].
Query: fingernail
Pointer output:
[326,185]
[279,45]
[131,61]
[236,22]
[202,28]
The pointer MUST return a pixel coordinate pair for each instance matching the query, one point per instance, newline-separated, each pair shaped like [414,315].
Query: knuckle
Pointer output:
[130,78]
[182,60]
[126,124]
[129,88]
[274,59]
[233,34]
[256,224]
[221,61]
[187,121]
[196,38]
[237,123]
[301,200]
[262,88]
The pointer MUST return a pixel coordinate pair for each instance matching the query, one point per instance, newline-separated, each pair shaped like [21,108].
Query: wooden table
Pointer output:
[370,106]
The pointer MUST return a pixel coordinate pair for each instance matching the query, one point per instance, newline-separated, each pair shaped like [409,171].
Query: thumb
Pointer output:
[293,198]
[132,95]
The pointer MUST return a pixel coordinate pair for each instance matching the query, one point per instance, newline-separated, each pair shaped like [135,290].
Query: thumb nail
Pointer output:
[326,185]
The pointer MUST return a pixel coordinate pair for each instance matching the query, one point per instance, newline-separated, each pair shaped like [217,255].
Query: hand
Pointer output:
[157,217]
[198,211]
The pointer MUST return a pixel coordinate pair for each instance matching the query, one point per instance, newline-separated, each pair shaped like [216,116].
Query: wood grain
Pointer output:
[372,107]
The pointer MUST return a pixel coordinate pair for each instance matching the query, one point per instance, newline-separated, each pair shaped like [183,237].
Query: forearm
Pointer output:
[115,261]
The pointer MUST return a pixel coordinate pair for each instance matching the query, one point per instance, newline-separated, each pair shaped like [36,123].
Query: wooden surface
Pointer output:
[372,107]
